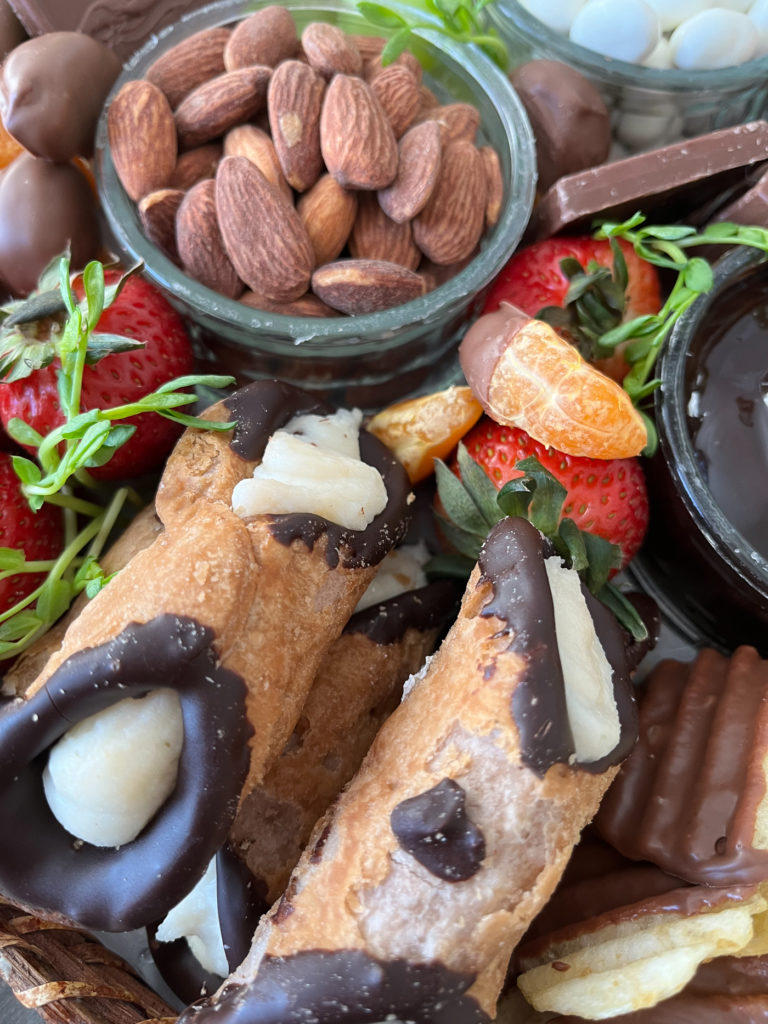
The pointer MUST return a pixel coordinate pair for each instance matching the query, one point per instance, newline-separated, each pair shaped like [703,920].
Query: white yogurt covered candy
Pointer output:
[716,38]
[758,15]
[108,775]
[313,466]
[672,13]
[557,14]
[660,56]
[622,29]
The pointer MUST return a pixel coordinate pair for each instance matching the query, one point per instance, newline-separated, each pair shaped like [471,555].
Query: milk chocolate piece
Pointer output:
[668,182]
[122,25]
[751,207]
[689,796]
[52,91]
[11,30]
[44,208]
[570,121]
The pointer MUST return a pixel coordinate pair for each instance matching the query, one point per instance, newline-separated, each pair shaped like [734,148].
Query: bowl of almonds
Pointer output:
[317,211]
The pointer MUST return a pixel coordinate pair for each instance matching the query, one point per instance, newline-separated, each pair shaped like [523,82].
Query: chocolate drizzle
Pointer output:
[344,987]
[262,408]
[42,865]
[435,829]
[512,561]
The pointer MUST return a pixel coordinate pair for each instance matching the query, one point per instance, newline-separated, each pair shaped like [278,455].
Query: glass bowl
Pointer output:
[709,580]
[366,360]
[649,106]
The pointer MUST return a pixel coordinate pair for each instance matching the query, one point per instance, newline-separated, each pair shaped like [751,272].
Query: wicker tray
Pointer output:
[70,978]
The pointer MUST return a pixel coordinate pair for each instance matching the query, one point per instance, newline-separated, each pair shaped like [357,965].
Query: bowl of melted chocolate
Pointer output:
[706,555]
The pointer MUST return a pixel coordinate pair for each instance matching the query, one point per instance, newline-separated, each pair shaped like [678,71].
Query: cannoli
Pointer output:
[415,888]
[229,613]
[690,881]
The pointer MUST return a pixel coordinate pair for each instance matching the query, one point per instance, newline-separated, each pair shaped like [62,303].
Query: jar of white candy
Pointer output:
[668,69]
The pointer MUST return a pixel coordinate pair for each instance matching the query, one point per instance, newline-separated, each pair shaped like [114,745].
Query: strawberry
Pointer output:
[38,535]
[568,282]
[139,312]
[604,497]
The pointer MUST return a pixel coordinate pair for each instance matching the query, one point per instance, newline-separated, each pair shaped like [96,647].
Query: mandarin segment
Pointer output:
[526,375]
[420,430]
[9,147]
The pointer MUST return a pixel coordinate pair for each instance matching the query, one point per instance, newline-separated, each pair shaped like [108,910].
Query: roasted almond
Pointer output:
[368,46]
[306,305]
[365,286]
[220,104]
[195,165]
[374,66]
[494,184]
[266,37]
[157,213]
[263,234]
[190,63]
[376,237]
[200,245]
[356,138]
[450,225]
[328,212]
[256,145]
[294,102]
[330,51]
[418,166]
[456,120]
[398,93]
[142,138]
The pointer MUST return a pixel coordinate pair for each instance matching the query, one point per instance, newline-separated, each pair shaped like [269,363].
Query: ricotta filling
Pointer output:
[196,919]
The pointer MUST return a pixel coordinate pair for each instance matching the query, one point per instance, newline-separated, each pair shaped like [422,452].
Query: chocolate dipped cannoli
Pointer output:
[688,814]
[415,888]
[218,628]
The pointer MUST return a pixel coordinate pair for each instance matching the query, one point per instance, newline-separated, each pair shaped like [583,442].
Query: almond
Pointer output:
[200,244]
[365,286]
[428,98]
[357,141]
[328,212]
[407,60]
[398,93]
[263,235]
[255,145]
[330,51]
[266,37]
[142,138]
[157,213]
[456,120]
[369,46]
[376,237]
[494,185]
[418,166]
[450,225]
[195,165]
[190,63]
[305,305]
[218,105]
[294,102]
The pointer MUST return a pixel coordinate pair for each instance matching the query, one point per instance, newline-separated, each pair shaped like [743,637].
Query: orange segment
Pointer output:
[542,384]
[9,147]
[419,430]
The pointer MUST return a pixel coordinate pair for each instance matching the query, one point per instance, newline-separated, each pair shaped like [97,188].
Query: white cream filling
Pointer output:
[400,571]
[109,774]
[592,710]
[196,919]
[313,466]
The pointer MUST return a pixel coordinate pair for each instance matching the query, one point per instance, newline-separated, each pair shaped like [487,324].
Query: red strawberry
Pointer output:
[139,312]
[534,280]
[605,497]
[38,534]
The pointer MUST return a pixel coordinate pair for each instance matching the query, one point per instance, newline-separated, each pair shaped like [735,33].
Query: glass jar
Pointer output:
[366,360]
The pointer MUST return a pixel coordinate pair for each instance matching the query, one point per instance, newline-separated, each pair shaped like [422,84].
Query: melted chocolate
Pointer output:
[687,797]
[512,561]
[345,987]
[265,406]
[434,828]
[429,607]
[42,865]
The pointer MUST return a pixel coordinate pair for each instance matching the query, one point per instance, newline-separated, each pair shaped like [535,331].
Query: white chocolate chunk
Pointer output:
[109,774]
[196,919]
[313,466]
[592,711]
[401,570]
[622,29]
[714,39]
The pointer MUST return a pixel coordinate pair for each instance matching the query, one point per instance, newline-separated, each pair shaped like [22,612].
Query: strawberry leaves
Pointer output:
[472,506]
